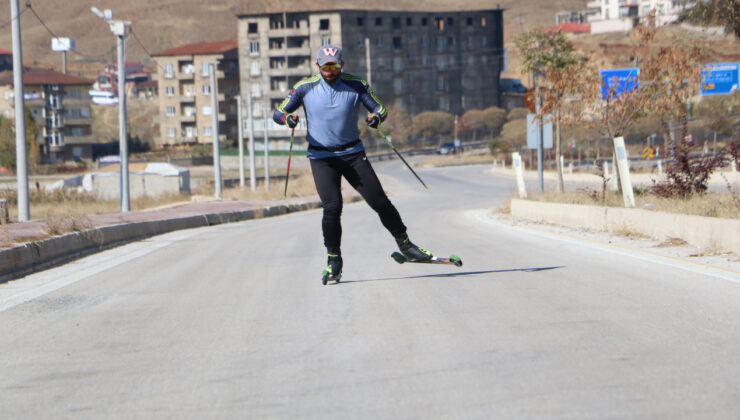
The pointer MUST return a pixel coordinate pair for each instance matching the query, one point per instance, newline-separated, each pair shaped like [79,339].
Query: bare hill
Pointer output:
[163,24]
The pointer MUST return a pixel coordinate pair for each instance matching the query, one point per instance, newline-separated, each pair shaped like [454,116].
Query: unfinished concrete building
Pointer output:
[421,61]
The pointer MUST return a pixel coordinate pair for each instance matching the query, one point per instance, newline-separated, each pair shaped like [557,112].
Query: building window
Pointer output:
[207,131]
[171,132]
[73,93]
[424,21]
[469,21]
[424,41]
[450,21]
[206,89]
[378,21]
[204,69]
[360,21]
[252,28]
[483,21]
[255,68]
[396,23]
[439,23]
[170,111]
[441,44]
[483,41]
[169,71]
[207,110]
[409,21]
[325,41]
[254,47]
[256,89]
[396,42]
[77,151]
[397,63]
[471,42]
[379,41]
[397,85]
[169,91]
[324,24]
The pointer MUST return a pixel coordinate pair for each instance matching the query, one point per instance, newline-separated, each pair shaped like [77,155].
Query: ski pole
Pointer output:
[290,154]
[399,155]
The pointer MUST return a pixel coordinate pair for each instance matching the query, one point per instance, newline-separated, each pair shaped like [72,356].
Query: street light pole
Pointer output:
[21,155]
[118,27]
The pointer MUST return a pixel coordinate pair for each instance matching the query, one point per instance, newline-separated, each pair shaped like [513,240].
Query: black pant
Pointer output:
[327,174]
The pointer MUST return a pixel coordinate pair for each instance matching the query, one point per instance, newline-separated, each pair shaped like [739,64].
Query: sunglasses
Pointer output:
[331,66]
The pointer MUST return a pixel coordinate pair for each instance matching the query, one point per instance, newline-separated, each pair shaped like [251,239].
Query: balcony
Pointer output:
[281,52]
[303,31]
[78,120]
[187,118]
[186,75]
[187,98]
[79,139]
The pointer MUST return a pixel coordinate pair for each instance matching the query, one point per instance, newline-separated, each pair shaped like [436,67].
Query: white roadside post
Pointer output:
[518,165]
[562,165]
[624,172]
[660,167]
[734,166]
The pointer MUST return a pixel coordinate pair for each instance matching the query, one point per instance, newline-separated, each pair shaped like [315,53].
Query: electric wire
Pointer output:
[2,26]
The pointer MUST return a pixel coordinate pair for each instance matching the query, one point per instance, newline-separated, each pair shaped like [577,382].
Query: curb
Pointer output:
[709,233]
[39,255]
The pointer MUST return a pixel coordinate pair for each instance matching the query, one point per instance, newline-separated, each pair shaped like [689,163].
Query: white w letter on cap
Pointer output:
[329,51]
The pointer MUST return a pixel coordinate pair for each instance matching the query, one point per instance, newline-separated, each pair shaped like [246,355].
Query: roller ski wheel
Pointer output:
[452,260]
[326,276]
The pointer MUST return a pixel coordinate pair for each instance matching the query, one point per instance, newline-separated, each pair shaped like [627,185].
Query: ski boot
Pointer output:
[412,252]
[333,270]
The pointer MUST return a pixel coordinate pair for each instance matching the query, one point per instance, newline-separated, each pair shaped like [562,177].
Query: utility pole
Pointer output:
[21,154]
[118,27]
[241,139]
[267,150]
[369,75]
[252,160]
[214,130]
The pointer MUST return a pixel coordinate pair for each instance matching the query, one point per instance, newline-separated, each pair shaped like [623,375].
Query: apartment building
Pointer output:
[185,104]
[421,61]
[620,15]
[61,107]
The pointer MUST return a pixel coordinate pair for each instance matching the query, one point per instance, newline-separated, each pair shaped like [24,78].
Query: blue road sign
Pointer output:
[719,78]
[615,82]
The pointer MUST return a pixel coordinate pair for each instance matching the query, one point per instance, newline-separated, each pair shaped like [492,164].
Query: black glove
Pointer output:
[291,120]
[373,120]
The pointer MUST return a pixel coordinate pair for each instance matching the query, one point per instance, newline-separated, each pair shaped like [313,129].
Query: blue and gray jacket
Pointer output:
[331,113]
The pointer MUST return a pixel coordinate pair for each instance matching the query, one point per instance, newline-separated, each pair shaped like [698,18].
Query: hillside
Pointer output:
[164,24]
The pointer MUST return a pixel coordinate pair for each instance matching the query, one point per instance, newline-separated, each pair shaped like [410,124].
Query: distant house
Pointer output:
[185,109]
[621,15]
[60,104]
[6,60]
[136,76]
[571,28]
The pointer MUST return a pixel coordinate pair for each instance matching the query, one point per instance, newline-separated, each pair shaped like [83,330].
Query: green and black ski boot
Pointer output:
[333,270]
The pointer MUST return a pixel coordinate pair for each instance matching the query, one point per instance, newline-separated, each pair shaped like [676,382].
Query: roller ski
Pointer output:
[453,260]
[333,270]
[413,254]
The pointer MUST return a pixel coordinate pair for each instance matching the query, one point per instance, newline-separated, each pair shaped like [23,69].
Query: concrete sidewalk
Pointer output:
[29,248]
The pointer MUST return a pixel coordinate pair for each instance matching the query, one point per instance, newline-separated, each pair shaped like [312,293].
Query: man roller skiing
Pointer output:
[331,102]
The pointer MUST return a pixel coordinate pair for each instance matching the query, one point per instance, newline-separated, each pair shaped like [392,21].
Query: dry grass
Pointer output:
[456,159]
[67,211]
[709,205]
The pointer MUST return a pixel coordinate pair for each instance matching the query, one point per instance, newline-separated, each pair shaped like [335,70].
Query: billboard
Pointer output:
[719,78]
[619,81]
[63,44]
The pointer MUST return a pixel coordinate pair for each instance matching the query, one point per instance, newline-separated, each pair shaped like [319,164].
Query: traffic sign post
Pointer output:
[648,153]
[616,82]
[719,78]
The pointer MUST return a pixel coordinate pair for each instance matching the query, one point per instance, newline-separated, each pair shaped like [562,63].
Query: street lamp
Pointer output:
[118,27]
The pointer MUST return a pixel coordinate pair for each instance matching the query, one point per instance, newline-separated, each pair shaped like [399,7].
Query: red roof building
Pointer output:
[571,28]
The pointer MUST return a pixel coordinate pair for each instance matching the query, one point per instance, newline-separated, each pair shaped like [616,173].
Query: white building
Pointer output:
[621,15]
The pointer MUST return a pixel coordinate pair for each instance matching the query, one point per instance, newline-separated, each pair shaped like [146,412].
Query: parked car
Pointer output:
[447,149]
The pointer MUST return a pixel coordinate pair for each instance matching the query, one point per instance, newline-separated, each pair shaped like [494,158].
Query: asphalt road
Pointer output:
[232,321]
